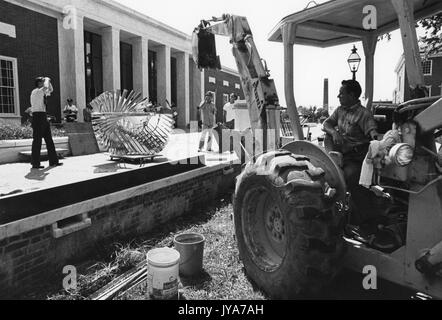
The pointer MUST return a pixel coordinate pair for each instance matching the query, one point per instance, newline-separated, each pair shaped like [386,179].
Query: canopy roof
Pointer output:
[340,21]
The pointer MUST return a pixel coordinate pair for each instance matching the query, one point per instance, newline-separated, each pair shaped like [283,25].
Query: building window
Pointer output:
[226,98]
[8,86]
[225,83]
[237,86]
[212,80]
[427,67]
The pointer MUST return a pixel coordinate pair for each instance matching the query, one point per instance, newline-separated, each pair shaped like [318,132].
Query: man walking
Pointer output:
[40,125]
[208,115]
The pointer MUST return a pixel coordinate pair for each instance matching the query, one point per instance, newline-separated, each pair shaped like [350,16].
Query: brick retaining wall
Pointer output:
[31,259]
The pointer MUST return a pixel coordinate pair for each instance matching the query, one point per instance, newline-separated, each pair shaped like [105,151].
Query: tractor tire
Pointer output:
[289,235]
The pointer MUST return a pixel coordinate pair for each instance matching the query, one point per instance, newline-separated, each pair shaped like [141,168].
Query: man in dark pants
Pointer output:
[352,127]
[224,130]
[207,111]
[40,124]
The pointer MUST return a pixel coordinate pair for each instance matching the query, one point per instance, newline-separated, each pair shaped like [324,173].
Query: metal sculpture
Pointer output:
[126,124]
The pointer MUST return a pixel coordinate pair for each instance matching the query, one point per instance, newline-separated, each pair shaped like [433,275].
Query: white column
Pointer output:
[111,59]
[183,89]
[72,69]
[141,66]
[163,75]
[369,44]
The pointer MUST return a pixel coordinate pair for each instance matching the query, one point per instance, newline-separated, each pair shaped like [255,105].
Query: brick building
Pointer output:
[28,45]
[87,47]
[432,70]
[221,83]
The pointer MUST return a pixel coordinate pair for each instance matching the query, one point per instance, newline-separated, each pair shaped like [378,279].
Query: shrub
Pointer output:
[10,131]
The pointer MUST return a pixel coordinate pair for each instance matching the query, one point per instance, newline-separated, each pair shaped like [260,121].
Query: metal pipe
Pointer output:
[414,192]
[288,35]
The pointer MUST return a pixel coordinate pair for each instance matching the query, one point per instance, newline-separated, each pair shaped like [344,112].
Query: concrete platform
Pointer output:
[17,178]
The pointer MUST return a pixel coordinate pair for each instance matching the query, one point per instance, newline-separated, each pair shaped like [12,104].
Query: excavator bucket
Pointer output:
[204,49]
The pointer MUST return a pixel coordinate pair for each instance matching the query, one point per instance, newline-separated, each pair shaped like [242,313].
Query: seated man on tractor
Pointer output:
[351,128]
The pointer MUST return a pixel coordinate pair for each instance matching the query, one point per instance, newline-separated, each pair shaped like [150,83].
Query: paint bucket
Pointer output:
[191,249]
[162,273]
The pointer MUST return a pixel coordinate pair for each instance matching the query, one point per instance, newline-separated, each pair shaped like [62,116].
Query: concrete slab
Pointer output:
[19,177]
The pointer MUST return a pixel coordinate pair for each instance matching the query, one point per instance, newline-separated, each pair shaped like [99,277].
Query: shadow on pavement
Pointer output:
[109,167]
[36,174]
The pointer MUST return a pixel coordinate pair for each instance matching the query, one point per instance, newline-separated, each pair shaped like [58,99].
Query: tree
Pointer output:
[432,39]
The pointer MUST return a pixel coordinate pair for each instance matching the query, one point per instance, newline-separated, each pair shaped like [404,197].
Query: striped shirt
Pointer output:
[354,124]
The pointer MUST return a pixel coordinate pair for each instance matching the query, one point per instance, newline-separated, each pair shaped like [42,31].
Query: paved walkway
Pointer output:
[19,177]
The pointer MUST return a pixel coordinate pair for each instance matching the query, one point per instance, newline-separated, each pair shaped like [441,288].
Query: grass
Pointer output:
[223,277]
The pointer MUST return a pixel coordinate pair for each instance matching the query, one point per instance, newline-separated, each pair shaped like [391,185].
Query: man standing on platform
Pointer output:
[224,130]
[208,115]
[229,113]
[40,124]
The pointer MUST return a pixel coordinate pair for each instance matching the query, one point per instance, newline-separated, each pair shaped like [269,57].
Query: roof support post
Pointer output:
[404,11]
[288,31]
[369,43]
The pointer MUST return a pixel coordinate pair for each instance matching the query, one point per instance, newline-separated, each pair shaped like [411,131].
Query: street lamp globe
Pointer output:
[353,61]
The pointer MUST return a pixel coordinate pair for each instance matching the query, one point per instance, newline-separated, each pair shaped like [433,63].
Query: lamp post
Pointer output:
[353,61]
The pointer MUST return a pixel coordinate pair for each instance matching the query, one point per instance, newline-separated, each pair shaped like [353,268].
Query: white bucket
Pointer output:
[162,273]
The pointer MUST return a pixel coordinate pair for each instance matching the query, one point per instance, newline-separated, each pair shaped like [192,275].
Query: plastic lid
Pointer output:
[163,257]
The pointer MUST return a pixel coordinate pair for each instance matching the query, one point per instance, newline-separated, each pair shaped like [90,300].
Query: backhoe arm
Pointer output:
[259,89]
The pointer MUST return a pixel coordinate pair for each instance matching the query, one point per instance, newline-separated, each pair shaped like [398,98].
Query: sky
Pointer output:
[312,64]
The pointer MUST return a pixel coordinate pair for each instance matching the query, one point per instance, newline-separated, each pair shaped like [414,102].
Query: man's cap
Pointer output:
[234,95]
[69,100]
[208,94]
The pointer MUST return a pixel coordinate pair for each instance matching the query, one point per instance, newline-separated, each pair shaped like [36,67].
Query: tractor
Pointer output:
[292,207]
